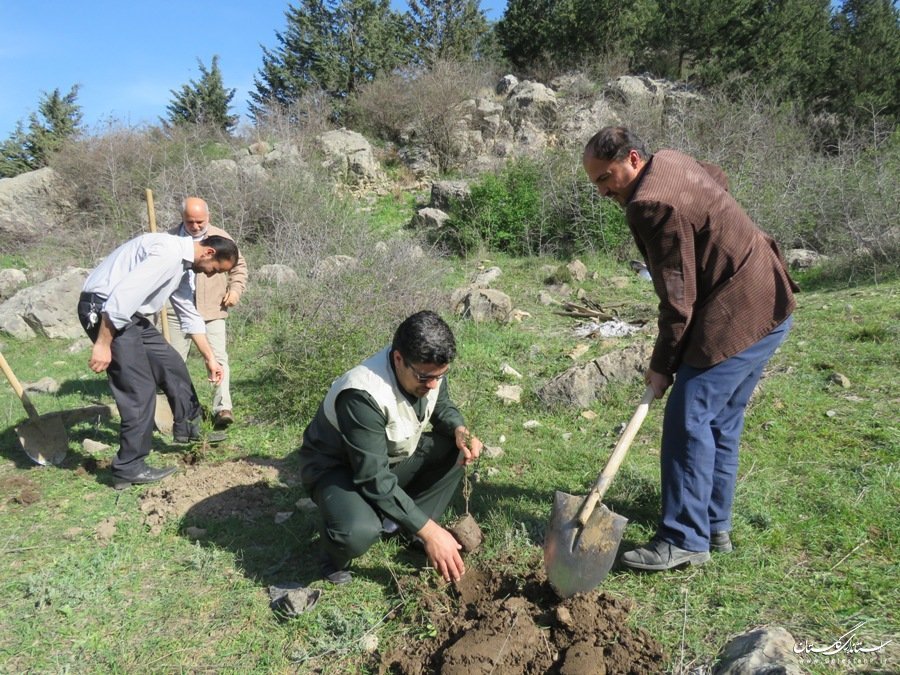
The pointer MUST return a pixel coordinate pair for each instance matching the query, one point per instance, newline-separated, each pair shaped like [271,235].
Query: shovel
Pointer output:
[163,419]
[44,439]
[581,544]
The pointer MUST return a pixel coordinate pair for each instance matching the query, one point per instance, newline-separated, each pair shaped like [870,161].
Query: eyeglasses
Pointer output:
[425,379]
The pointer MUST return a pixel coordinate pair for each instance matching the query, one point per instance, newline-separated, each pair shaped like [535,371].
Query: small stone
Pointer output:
[508,370]
[369,643]
[195,533]
[492,471]
[589,414]
[509,393]
[282,516]
[531,424]
[564,616]
[830,413]
[306,505]
[45,385]
[94,447]
[491,452]
[567,436]
[502,439]
[840,380]
[518,315]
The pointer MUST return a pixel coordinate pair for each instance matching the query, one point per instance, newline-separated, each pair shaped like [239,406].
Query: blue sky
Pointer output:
[128,55]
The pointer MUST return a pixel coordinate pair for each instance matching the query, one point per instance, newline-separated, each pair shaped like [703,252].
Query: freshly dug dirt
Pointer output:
[467,533]
[508,625]
[191,489]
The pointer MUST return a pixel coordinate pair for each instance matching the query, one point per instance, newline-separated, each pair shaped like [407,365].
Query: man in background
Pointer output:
[725,304]
[131,284]
[213,296]
[369,463]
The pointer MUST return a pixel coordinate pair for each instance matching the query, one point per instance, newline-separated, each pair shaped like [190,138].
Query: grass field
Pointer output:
[85,586]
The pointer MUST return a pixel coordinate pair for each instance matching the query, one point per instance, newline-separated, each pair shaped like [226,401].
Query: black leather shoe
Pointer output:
[720,542]
[334,574]
[658,555]
[148,475]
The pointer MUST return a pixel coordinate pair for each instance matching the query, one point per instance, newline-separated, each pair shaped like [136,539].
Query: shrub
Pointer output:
[535,207]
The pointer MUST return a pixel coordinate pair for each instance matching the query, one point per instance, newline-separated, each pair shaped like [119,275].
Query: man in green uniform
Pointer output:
[367,460]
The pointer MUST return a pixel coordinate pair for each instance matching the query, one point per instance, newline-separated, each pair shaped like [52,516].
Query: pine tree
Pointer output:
[57,120]
[331,46]
[446,29]
[205,102]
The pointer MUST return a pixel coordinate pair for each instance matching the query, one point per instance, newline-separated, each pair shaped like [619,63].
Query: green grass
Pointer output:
[816,525]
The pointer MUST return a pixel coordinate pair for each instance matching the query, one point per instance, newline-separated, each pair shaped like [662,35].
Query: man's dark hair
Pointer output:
[424,337]
[611,143]
[225,249]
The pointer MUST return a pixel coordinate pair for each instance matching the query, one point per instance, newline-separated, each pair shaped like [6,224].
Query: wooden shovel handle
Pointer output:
[17,387]
[598,489]
[151,216]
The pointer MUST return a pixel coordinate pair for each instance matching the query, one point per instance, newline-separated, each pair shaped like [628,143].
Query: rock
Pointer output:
[509,393]
[506,84]
[10,281]
[34,203]
[483,304]
[581,385]
[80,345]
[519,315]
[45,385]
[306,505]
[530,424]
[94,447]
[802,258]
[467,533]
[764,651]
[349,157]
[369,643]
[486,277]
[332,266]
[492,452]
[577,270]
[46,309]
[283,516]
[508,370]
[546,299]
[276,274]
[840,380]
[445,192]
[429,218]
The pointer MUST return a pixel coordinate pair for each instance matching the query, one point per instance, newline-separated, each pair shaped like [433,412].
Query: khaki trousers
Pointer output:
[218,339]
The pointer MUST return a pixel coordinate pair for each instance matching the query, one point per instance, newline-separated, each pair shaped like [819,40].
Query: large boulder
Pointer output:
[349,157]
[11,280]
[276,274]
[482,304]
[46,309]
[532,102]
[34,202]
[581,385]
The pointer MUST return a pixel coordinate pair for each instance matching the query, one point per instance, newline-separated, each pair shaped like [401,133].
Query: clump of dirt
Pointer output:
[467,533]
[237,489]
[22,490]
[508,625]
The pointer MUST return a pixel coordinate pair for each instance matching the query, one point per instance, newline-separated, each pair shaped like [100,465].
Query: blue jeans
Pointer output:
[702,427]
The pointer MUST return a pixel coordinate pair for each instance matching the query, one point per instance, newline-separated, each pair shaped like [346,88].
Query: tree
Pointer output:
[206,102]
[57,120]
[332,46]
[865,70]
[444,30]
[571,33]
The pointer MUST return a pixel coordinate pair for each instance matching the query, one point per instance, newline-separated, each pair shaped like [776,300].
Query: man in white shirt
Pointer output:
[117,303]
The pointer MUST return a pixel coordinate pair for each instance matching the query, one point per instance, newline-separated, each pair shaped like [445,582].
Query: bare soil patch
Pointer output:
[510,625]
[488,622]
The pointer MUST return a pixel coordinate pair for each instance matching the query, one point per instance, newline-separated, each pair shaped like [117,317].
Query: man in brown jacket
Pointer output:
[725,304]
[214,296]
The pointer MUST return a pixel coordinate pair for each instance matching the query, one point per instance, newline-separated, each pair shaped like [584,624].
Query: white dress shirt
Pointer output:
[140,275]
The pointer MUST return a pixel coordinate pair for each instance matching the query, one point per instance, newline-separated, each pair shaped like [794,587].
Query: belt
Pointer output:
[92,297]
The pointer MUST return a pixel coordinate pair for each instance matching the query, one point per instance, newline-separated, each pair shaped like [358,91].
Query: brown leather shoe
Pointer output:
[223,419]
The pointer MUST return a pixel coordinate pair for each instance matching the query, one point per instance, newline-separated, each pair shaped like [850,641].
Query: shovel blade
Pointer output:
[577,558]
[163,419]
[45,441]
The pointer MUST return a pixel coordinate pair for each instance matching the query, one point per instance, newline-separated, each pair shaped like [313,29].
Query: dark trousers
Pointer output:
[702,427]
[350,524]
[142,360]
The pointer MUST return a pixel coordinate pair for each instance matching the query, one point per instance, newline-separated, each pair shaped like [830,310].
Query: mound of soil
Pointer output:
[509,625]
[207,491]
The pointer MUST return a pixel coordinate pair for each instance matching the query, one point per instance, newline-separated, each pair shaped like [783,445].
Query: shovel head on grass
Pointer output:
[578,557]
[44,440]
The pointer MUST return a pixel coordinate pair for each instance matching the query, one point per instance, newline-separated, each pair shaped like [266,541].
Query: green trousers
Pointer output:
[350,524]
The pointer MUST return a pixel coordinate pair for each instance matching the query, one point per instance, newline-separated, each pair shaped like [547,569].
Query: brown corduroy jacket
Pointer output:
[722,282]
[209,291]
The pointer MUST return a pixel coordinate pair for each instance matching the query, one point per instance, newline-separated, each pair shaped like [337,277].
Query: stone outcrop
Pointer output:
[46,309]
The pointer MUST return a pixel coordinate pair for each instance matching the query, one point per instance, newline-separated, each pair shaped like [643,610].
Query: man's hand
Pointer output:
[230,299]
[442,550]
[101,357]
[659,382]
[468,445]
[214,368]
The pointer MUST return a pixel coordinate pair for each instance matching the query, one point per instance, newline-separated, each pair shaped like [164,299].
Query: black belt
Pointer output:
[95,298]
